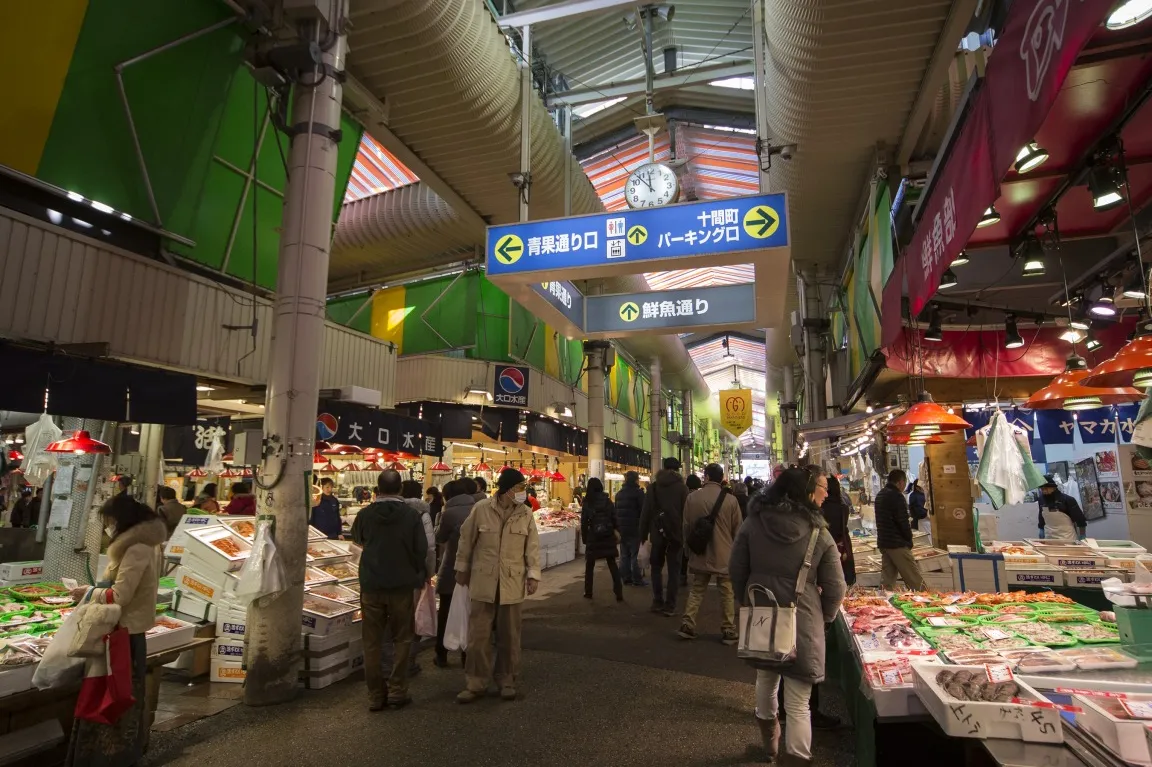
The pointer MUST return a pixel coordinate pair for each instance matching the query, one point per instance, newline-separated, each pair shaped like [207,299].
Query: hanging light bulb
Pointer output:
[934,333]
[1092,343]
[1032,156]
[1012,339]
[1129,13]
[960,260]
[948,280]
[1104,306]
[1104,185]
[1072,335]
[990,217]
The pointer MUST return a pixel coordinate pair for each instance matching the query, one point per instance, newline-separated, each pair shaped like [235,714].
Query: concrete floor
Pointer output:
[603,684]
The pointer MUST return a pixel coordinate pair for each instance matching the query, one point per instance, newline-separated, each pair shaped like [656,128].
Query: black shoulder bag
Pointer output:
[701,533]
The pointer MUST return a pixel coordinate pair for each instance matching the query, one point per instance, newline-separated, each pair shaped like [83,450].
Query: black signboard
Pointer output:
[347,423]
[510,386]
[189,444]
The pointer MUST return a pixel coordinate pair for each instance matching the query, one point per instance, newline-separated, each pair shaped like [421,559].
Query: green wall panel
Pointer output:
[451,316]
[352,311]
[492,318]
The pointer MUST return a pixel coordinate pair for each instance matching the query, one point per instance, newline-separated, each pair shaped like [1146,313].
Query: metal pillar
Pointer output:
[758,58]
[594,352]
[686,430]
[788,414]
[814,384]
[657,414]
[284,482]
[525,118]
[568,160]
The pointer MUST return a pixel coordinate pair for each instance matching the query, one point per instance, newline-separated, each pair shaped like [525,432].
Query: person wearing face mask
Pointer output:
[498,558]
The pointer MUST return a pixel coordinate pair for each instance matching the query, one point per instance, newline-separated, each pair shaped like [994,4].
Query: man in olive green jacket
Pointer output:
[499,560]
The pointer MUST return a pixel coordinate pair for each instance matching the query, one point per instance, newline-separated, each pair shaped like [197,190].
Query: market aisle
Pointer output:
[605,684]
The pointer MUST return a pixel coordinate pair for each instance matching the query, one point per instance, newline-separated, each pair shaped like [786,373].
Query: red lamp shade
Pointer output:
[321,446]
[908,439]
[80,443]
[374,466]
[535,474]
[351,467]
[481,467]
[1132,366]
[247,472]
[558,477]
[327,468]
[227,458]
[397,466]
[1068,392]
[197,474]
[15,455]
[441,468]
[342,450]
[927,415]
[228,474]
[372,452]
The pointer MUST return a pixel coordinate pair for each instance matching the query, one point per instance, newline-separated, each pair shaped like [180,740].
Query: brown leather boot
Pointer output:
[770,733]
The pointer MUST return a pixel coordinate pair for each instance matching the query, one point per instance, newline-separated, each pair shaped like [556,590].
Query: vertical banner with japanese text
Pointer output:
[736,410]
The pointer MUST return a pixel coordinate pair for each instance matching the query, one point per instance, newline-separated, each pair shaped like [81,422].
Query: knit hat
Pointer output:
[509,478]
[1049,481]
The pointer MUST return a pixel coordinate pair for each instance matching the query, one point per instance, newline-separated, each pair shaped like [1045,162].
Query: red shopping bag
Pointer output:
[106,692]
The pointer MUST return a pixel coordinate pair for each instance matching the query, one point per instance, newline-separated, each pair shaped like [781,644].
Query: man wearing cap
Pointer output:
[1061,518]
[498,559]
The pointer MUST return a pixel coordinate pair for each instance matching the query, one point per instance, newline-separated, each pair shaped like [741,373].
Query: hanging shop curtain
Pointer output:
[347,423]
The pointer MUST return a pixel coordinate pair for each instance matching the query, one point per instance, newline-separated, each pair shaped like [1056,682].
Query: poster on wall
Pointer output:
[1108,480]
[1089,489]
[1136,474]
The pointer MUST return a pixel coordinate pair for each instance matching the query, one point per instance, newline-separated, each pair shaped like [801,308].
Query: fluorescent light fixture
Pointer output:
[1129,13]
[990,217]
[55,216]
[1032,156]
[75,197]
[101,207]
[730,129]
[739,83]
[1079,322]
[478,392]
[84,224]
[204,387]
[599,106]
[125,216]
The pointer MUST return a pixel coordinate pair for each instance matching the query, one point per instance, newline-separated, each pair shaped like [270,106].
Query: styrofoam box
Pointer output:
[231,522]
[938,562]
[193,605]
[318,680]
[868,579]
[199,544]
[1122,562]
[1116,548]
[326,660]
[228,671]
[166,640]
[1078,562]
[229,649]
[937,581]
[315,623]
[1091,579]
[1035,575]
[209,586]
[17,679]
[973,719]
[20,571]
[231,622]
[174,549]
[1123,737]
[321,643]
[324,553]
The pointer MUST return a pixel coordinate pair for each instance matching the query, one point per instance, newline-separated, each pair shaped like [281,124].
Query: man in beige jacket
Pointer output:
[499,560]
[714,561]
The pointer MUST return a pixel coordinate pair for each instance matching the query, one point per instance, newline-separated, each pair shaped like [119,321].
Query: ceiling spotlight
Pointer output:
[1032,156]
[960,260]
[990,217]
[1104,184]
[1080,322]
[1072,335]
[1129,13]
[1104,306]
[948,280]
[1092,344]
[1134,288]
[1033,253]
[1012,339]
[933,333]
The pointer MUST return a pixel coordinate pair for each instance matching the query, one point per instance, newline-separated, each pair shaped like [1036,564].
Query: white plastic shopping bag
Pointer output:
[57,668]
[644,556]
[456,629]
[426,612]
[262,573]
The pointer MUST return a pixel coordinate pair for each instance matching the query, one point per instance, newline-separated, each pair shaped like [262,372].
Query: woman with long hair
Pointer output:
[783,523]
[836,510]
[600,531]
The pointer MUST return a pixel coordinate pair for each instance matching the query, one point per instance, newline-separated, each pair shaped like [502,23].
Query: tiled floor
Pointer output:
[182,703]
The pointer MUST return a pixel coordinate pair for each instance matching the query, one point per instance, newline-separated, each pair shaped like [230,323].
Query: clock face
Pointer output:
[651,185]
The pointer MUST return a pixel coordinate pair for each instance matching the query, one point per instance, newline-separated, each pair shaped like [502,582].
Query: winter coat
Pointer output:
[395,547]
[700,502]
[769,551]
[629,508]
[133,571]
[326,516]
[664,507]
[598,513]
[171,511]
[437,508]
[500,547]
[836,516]
[916,505]
[429,532]
[456,510]
[206,505]
[241,505]
[740,490]
[893,525]
[22,513]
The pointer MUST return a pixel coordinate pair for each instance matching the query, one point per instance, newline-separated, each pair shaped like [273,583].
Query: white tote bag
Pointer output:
[768,631]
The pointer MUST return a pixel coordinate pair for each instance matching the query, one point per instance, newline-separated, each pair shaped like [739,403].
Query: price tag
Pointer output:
[995,634]
[998,673]
[868,643]
[1137,709]
[1046,704]
[915,652]
[890,677]
[921,599]
[952,610]
[1097,693]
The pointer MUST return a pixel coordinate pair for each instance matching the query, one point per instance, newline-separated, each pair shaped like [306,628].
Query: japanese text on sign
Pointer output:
[681,308]
[560,293]
[941,234]
[567,242]
[721,225]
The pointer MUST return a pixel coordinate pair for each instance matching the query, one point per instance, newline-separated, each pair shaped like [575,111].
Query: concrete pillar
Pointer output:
[686,429]
[151,461]
[594,352]
[72,549]
[657,415]
[284,480]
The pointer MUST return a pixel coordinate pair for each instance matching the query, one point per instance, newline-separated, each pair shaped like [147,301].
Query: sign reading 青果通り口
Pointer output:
[510,386]
[664,309]
[646,234]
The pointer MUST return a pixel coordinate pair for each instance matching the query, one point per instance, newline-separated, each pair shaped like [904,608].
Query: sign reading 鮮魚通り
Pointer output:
[510,386]
[662,309]
[646,234]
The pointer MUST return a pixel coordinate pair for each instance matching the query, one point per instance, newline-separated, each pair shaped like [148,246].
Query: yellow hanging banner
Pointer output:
[736,410]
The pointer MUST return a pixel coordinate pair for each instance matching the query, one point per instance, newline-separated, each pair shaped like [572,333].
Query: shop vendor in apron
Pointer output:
[1060,516]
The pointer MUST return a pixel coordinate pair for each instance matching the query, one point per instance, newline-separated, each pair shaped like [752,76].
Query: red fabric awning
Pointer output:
[1037,49]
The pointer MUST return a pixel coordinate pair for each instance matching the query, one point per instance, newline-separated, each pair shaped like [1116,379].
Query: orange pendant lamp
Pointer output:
[911,439]
[440,468]
[482,466]
[1068,391]
[335,449]
[80,443]
[925,418]
[1131,366]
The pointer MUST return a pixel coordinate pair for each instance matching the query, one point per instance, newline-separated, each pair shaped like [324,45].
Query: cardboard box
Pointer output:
[1091,579]
[226,648]
[1035,575]
[227,671]
[22,572]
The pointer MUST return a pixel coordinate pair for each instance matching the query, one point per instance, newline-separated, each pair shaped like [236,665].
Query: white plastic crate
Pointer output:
[1123,737]
[973,719]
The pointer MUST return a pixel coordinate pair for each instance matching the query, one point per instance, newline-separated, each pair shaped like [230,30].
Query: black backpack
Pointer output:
[701,533]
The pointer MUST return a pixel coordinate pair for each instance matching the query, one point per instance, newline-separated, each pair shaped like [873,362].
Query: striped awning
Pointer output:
[376,171]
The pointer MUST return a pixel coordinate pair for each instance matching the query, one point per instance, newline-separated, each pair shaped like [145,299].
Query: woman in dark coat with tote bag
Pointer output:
[600,531]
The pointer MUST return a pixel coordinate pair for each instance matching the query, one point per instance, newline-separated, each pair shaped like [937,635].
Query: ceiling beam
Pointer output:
[959,17]
[564,10]
[370,112]
[680,79]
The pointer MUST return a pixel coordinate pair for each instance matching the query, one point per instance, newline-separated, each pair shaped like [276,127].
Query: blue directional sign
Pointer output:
[564,297]
[647,234]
